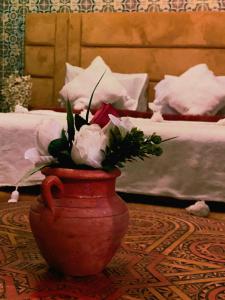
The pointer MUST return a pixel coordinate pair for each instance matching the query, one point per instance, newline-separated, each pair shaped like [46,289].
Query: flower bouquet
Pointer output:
[87,145]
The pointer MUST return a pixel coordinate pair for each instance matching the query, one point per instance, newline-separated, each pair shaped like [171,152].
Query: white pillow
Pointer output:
[135,84]
[161,90]
[72,72]
[109,90]
[196,92]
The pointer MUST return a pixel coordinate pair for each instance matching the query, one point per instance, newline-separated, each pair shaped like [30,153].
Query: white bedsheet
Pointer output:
[192,166]
[17,134]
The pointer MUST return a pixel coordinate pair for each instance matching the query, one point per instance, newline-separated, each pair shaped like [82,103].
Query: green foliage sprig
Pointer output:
[134,145]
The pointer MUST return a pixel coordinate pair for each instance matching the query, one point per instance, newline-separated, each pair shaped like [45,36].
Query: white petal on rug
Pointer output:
[200,209]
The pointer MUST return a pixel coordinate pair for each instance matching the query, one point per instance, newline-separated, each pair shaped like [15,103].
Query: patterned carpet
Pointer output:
[165,255]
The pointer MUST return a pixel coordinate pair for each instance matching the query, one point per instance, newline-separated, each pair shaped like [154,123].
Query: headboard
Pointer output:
[155,43]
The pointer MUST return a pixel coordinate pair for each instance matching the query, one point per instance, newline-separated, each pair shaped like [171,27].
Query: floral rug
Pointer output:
[165,255]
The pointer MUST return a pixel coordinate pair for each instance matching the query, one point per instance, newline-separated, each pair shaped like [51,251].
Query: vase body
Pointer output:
[78,221]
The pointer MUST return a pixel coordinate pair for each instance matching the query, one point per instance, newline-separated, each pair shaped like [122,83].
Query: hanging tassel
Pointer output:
[14,196]
[156,112]
[157,117]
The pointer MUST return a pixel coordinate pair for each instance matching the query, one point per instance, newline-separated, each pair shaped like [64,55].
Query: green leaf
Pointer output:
[56,146]
[169,139]
[32,171]
[65,160]
[116,136]
[70,124]
[156,139]
[90,101]
[63,136]
[79,122]
[134,145]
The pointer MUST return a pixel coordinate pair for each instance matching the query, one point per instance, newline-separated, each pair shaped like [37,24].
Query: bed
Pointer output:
[193,165]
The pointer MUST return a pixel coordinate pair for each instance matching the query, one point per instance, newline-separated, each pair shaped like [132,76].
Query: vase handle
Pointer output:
[49,183]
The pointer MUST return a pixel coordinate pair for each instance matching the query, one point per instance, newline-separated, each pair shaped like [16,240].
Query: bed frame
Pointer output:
[155,43]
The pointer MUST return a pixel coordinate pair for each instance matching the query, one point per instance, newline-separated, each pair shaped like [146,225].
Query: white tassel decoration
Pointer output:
[157,117]
[14,197]
[221,122]
[156,109]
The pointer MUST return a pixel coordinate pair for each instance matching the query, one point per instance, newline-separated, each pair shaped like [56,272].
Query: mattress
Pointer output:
[192,166]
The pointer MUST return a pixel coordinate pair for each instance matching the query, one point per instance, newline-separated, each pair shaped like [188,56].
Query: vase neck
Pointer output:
[88,188]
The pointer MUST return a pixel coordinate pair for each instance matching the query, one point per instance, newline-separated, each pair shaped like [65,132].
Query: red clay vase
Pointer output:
[78,221]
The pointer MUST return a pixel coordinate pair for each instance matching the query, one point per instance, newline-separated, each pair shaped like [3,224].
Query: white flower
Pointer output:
[34,156]
[88,145]
[47,131]
[124,125]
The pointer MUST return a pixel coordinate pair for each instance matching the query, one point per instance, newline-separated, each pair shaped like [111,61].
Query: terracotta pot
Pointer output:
[78,221]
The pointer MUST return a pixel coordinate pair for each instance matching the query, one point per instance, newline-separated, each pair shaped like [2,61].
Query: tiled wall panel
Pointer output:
[1,43]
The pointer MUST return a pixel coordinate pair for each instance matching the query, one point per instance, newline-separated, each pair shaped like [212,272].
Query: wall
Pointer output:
[13,15]
[1,44]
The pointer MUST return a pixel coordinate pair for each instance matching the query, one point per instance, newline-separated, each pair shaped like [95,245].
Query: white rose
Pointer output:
[88,145]
[47,131]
